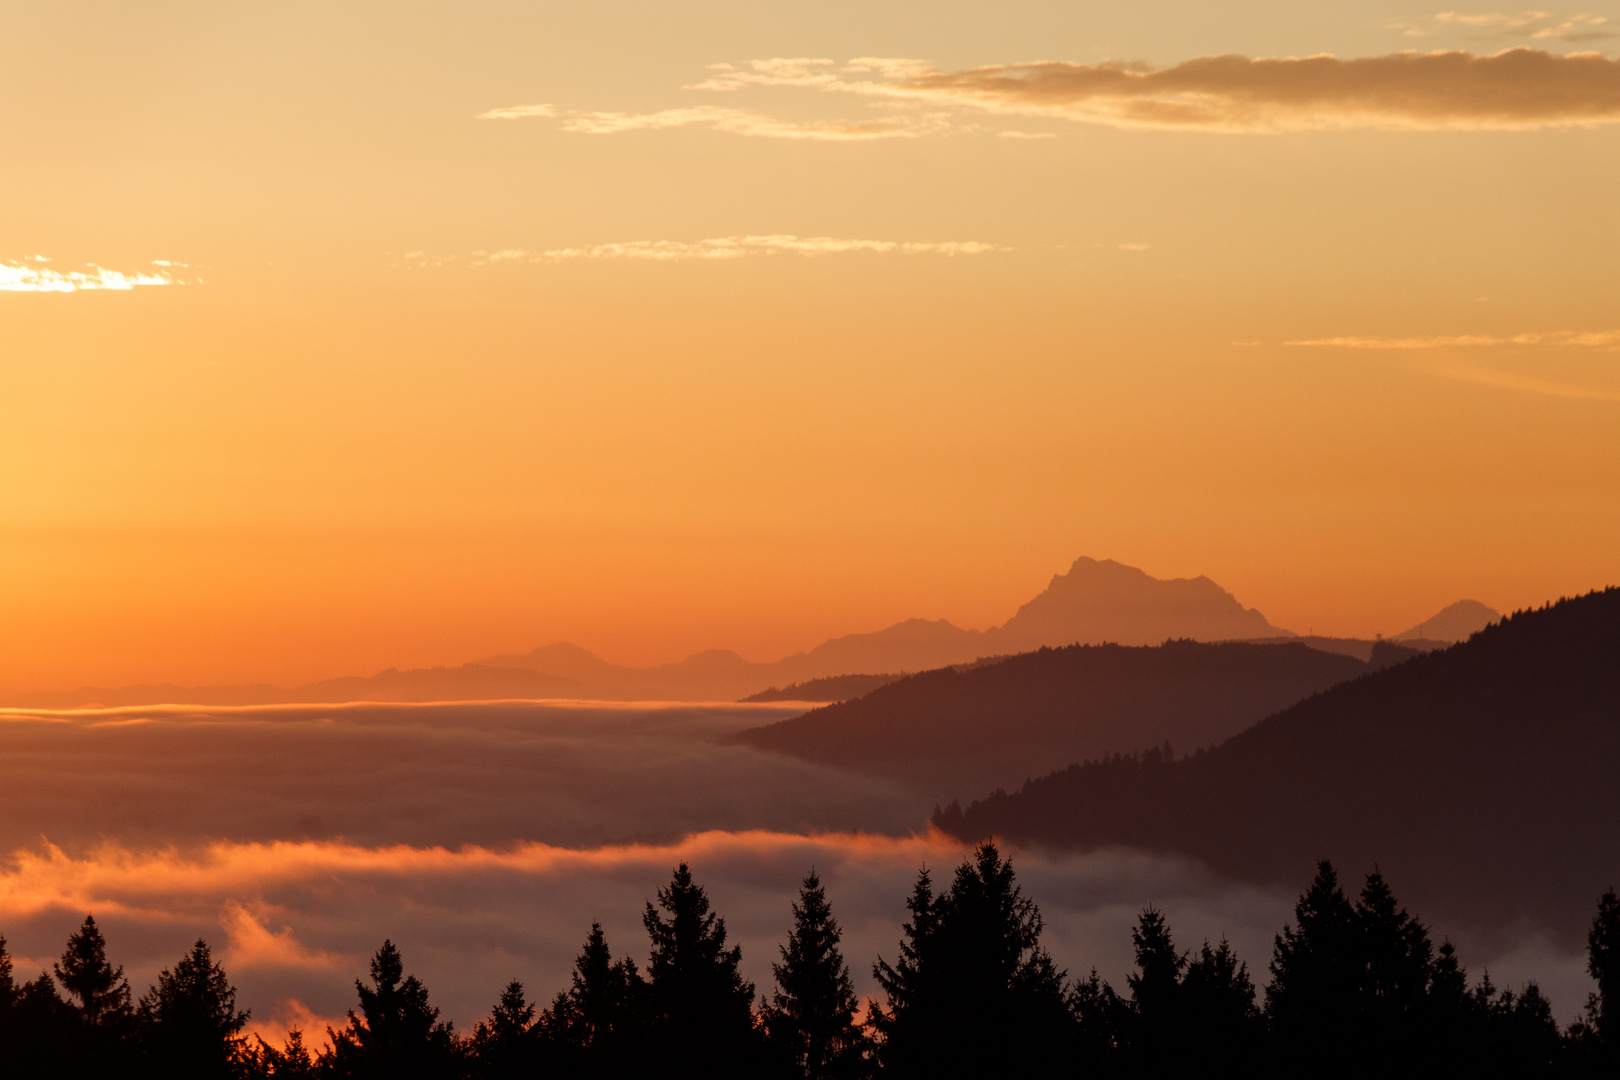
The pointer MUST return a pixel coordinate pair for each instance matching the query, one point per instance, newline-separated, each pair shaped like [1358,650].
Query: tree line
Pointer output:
[1356,986]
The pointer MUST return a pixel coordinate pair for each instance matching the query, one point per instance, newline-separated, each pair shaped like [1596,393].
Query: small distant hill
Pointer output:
[960,731]
[1485,778]
[1454,623]
[835,688]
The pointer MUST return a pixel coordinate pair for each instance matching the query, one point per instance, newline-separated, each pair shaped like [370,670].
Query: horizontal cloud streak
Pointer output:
[1511,90]
[518,112]
[32,275]
[1603,339]
[734,247]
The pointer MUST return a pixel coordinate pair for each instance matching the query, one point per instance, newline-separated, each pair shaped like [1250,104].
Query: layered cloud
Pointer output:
[1516,89]
[32,274]
[484,839]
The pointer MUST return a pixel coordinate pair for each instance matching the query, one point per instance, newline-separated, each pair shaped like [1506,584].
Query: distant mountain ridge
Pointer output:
[1484,777]
[1095,601]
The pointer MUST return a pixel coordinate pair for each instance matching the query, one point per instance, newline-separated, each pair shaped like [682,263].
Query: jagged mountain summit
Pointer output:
[1102,600]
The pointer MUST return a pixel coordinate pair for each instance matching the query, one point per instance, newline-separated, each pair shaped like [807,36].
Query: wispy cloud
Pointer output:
[31,274]
[1602,339]
[251,944]
[1531,25]
[1528,384]
[715,248]
[731,121]
[1516,89]
[518,112]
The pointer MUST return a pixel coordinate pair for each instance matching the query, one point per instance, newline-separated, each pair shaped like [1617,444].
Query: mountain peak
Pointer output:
[1455,622]
[1105,600]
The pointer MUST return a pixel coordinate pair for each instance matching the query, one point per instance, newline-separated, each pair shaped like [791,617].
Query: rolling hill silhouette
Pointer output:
[955,731]
[1485,778]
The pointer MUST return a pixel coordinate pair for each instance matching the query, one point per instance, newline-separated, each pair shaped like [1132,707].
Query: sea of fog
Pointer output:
[484,838]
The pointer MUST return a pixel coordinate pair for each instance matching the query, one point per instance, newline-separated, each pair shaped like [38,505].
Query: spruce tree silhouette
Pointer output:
[100,988]
[811,1017]
[1157,1024]
[598,1026]
[1395,957]
[974,994]
[188,1020]
[1315,974]
[102,1016]
[291,1061]
[398,1033]
[506,1044]
[1225,1029]
[1603,964]
[702,1007]
[1186,1014]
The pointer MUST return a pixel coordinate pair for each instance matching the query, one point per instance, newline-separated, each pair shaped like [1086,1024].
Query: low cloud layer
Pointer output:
[1516,89]
[295,921]
[485,838]
[34,275]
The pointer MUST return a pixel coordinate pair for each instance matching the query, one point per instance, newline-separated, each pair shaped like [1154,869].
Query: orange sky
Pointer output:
[651,366]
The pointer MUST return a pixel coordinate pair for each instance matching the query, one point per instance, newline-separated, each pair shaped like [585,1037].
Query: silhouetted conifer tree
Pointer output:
[702,1007]
[599,1023]
[1101,1022]
[811,1018]
[8,987]
[188,1020]
[1603,964]
[1225,1030]
[102,1014]
[397,1033]
[101,990]
[1395,959]
[506,1044]
[1315,976]
[974,993]
[291,1061]
[1157,1022]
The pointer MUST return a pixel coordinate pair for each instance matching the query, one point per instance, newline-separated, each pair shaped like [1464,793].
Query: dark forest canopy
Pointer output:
[966,731]
[1485,777]
[832,688]
[1357,987]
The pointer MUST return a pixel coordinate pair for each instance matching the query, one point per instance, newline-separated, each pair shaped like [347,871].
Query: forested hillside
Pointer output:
[963,732]
[1486,776]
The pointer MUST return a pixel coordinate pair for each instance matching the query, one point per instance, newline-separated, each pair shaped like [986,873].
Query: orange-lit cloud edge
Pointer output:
[1516,89]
